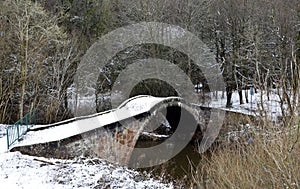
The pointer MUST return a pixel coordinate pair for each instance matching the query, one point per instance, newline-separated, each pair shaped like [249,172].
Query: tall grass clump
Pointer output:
[271,160]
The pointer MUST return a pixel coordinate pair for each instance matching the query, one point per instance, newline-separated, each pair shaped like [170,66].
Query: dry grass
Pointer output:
[270,161]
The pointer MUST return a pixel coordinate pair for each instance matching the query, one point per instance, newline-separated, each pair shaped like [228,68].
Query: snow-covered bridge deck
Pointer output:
[130,108]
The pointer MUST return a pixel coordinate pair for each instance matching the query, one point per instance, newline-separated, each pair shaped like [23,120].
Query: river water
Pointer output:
[179,167]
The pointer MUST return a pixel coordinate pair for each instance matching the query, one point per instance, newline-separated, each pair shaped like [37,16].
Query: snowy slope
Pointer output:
[27,172]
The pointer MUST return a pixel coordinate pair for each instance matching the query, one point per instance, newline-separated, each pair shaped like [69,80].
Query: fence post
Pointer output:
[34,117]
[18,130]
[7,137]
[26,119]
[26,122]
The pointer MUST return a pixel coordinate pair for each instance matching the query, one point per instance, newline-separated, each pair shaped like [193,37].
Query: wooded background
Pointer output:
[255,43]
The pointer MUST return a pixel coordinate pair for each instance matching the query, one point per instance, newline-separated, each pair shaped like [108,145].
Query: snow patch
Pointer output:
[22,171]
[155,135]
[271,103]
[3,130]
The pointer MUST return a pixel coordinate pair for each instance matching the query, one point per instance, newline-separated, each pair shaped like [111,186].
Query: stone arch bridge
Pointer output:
[112,135]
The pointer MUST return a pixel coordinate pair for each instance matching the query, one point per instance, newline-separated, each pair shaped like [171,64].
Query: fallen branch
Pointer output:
[44,161]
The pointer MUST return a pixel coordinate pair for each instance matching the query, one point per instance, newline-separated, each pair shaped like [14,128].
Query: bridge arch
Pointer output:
[189,118]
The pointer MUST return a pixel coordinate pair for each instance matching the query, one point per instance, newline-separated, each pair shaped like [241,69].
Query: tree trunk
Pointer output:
[229,96]
[241,96]
[246,96]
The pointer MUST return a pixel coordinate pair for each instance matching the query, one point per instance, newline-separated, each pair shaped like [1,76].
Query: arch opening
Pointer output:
[163,124]
[173,114]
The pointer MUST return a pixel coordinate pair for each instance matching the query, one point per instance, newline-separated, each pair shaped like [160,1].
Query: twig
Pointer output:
[44,161]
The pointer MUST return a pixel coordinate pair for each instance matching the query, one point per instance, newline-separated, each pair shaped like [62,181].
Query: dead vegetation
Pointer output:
[269,160]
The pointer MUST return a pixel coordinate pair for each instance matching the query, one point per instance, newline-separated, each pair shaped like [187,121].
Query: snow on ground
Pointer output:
[271,104]
[3,140]
[3,145]
[22,171]
[2,130]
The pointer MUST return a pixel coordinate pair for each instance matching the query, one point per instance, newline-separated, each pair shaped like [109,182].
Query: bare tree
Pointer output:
[33,37]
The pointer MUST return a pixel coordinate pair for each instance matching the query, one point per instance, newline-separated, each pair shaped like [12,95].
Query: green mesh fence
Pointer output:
[19,129]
